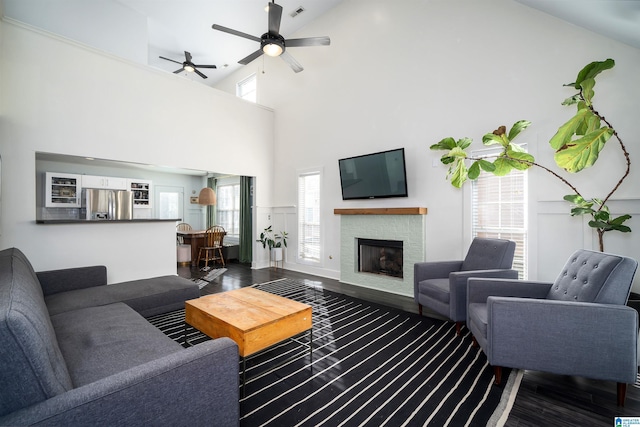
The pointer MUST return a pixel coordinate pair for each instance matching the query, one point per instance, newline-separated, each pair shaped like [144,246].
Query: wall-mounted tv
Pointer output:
[374,175]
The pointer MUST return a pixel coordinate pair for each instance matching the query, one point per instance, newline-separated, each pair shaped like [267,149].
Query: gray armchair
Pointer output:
[442,285]
[578,325]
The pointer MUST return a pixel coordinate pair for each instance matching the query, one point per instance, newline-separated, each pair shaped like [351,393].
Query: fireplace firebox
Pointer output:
[382,257]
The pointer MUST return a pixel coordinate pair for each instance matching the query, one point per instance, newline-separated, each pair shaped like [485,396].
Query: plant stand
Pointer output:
[276,256]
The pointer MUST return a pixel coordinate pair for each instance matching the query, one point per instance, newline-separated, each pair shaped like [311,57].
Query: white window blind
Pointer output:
[228,208]
[499,210]
[309,248]
[248,88]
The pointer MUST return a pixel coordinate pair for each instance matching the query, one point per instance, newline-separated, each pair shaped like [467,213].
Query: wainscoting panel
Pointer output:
[559,235]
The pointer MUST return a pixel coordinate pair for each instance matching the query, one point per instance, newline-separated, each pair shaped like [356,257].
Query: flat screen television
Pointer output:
[374,175]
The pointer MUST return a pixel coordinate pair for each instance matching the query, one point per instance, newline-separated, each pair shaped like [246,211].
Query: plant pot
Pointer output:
[276,254]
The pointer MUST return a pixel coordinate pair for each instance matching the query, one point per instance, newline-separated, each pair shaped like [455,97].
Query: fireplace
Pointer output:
[382,257]
[407,225]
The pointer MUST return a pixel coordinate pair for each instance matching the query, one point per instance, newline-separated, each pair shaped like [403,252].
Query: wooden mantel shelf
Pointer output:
[381,211]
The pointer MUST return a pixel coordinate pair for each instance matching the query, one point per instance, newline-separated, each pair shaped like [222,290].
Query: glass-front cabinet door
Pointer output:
[62,190]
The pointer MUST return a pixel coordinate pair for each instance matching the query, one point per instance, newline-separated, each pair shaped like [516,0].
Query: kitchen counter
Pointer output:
[108,221]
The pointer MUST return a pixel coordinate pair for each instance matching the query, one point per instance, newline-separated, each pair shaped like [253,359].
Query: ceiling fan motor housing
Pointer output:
[270,38]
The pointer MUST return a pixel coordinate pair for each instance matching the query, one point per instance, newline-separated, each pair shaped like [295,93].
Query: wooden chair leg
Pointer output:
[199,257]
[497,372]
[474,342]
[221,257]
[622,393]
[420,309]
[458,328]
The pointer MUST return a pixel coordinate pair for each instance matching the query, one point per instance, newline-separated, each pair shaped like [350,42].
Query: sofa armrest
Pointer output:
[564,337]
[69,279]
[435,269]
[458,287]
[479,289]
[197,386]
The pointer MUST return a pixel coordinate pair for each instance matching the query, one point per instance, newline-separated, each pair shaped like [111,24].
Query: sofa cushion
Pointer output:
[32,368]
[148,296]
[478,313]
[101,341]
[437,289]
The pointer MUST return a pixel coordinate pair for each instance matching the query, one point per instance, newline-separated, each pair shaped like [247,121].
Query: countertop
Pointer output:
[106,221]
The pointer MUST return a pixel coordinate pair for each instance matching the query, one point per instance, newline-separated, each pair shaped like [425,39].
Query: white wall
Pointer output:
[68,99]
[409,74]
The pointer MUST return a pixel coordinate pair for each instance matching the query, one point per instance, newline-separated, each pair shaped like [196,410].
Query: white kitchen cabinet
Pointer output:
[62,190]
[104,182]
[141,189]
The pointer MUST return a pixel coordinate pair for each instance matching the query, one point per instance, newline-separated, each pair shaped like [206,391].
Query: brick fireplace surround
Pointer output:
[405,224]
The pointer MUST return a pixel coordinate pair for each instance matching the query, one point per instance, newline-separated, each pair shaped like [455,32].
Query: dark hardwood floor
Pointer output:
[543,399]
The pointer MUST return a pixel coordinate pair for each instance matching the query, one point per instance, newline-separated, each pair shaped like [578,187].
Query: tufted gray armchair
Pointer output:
[578,325]
[442,285]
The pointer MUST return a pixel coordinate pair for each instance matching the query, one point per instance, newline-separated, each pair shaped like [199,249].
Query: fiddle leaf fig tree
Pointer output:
[577,145]
[586,126]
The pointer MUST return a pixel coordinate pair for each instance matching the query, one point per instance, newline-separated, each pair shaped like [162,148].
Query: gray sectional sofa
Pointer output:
[76,351]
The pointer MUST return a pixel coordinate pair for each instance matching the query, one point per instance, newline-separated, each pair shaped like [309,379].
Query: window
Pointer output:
[309,248]
[499,210]
[248,88]
[228,208]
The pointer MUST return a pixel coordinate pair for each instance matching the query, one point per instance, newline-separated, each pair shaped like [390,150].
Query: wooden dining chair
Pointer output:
[183,226]
[212,249]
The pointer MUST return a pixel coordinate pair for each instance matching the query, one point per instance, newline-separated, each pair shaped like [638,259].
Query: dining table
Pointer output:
[194,238]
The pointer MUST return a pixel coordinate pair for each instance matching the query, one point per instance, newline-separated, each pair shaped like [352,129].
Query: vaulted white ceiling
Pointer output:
[143,30]
[617,19]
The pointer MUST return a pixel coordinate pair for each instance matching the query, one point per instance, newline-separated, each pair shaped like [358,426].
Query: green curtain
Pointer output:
[246,241]
[211,210]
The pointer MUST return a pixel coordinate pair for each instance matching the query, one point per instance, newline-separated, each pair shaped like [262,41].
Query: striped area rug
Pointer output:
[371,365]
[204,280]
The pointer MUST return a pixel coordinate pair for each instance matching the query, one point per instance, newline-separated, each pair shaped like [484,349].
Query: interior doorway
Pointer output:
[169,202]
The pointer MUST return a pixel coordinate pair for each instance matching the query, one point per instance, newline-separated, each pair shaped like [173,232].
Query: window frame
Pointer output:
[235,212]
[300,225]
[243,83]
[522,244]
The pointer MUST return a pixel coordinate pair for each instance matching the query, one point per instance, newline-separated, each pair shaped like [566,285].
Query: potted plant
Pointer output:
[274,241]
[577,145]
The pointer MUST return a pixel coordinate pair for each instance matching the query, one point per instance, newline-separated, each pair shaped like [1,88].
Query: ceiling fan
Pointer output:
[189,66]
[272,43]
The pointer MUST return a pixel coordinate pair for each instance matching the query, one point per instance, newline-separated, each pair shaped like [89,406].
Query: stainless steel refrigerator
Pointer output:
[107,204]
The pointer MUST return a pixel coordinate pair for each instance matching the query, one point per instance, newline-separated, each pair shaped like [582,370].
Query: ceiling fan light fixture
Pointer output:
[272,49]
[272,45]
[189,68]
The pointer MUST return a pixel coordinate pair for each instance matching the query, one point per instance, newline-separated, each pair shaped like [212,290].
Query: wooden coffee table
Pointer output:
[254,319]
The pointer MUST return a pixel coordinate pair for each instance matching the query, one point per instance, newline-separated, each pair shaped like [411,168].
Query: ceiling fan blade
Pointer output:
[295,65]
[309,41]
[187,56]
[162,57]
[275,16]
[204,66]
[178,71]
[249,58]
[235,33]
[199,73]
